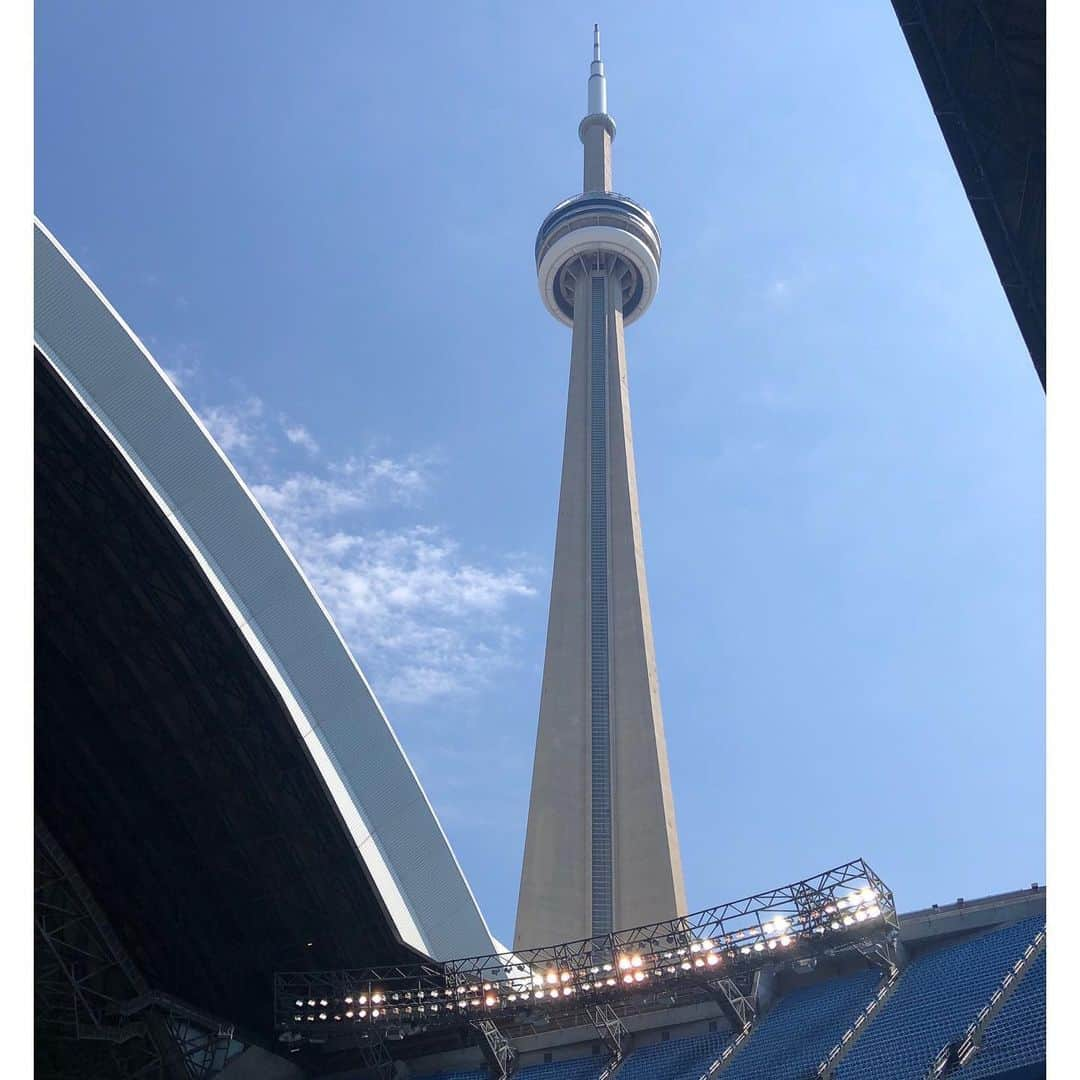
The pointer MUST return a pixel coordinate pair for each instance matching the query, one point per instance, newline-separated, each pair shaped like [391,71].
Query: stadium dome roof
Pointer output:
[208,752]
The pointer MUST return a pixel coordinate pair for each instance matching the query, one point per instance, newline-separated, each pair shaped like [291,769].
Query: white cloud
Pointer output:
[775,397]
[234,428]
[796,283]
[302,498]
[402,480]
[181,365]
[388,574]
[424,621]
[299,435]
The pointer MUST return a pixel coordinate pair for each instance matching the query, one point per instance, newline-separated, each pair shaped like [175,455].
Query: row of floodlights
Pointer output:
[627,970]
[857,907]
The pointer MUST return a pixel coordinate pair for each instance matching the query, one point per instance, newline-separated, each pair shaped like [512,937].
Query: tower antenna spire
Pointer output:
[597,79]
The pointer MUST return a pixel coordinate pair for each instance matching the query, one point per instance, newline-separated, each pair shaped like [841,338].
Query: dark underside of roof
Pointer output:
[166,766]
[983,63]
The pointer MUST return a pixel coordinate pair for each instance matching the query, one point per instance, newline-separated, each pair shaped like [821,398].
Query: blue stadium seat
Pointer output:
[937,997]
[679,1059]
[588,1068]
[802,1028]
[1016,1037]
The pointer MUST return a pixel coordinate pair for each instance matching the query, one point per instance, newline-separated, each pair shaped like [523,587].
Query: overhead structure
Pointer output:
[714,952]
[601,848]
[983,63]
[208,755]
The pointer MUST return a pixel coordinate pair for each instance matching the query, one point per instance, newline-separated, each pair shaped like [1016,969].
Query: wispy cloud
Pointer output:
[299,501]
[774,396]
[180,363]
[234,427]
[426,620]
[299,435]
[795,281]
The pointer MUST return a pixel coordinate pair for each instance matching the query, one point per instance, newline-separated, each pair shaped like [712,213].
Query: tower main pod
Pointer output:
[601,850]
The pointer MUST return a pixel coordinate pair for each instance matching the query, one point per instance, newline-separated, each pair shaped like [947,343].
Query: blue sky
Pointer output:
[320,219]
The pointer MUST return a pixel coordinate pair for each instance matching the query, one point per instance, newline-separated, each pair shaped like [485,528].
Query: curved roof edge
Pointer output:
[337,716]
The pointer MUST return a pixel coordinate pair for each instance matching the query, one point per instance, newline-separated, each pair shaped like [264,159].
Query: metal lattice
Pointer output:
[95,1017]
[714,952]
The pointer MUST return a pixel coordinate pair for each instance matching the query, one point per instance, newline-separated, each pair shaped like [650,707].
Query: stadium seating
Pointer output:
[588,1068]
[1016,1037]
[583,1068]
[679,1059]
[802,1028]
[937,997]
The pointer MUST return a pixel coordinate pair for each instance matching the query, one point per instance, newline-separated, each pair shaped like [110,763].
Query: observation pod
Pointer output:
[587,233]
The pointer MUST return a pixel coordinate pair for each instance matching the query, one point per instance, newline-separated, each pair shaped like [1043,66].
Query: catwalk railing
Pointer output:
[845,908]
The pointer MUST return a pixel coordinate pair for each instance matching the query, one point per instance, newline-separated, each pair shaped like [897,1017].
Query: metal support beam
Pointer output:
[713,952]
[882,954]
[81,973]
[499,1052]
[94,1012]
[737,1006]
[614,1035]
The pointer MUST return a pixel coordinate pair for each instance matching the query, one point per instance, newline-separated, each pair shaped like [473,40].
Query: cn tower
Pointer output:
[601,848]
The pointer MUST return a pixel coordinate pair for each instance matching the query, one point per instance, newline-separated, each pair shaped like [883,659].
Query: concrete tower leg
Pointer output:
[553,903]
[648,866]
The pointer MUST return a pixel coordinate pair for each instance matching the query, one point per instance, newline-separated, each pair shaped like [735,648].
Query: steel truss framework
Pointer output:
[95,1016]
[616,1038]
[499,1052]
[847,908]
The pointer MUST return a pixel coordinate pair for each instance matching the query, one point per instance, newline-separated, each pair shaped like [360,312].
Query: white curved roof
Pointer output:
[342,725]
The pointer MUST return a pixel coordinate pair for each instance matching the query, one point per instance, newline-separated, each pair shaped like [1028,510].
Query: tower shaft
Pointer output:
[597,140]
[601,849]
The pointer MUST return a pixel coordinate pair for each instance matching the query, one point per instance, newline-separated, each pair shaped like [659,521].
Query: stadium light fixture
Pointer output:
[838,909]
